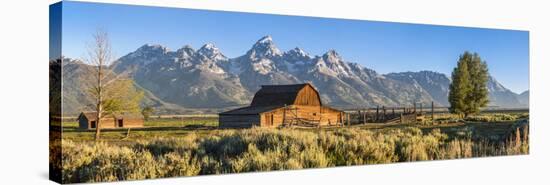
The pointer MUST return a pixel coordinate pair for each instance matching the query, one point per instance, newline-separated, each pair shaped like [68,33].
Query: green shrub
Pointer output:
[492,118]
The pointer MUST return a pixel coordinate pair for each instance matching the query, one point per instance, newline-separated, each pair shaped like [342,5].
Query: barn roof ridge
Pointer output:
[278,94]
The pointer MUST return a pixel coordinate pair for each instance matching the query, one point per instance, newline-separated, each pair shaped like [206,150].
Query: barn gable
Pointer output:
[280,95]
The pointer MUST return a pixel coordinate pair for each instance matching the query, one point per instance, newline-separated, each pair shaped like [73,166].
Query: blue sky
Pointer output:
[383,46]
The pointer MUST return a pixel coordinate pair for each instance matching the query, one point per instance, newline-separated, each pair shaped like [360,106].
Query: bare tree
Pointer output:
[112,92]
[99,55]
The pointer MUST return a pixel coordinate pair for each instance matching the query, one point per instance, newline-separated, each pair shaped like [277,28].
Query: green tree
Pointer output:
[121,96]
[147,112]
[459,88]
[479,75]
[468,91]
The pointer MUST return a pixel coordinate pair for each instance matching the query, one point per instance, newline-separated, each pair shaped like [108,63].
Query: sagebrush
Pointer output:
[234,151]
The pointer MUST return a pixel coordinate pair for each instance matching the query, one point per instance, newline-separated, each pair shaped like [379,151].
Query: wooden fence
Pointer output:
[382,114]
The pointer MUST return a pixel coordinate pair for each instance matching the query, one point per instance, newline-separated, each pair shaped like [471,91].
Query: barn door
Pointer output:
[120,123]
[268,119]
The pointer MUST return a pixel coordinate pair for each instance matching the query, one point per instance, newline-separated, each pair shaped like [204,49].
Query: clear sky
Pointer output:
[382,46]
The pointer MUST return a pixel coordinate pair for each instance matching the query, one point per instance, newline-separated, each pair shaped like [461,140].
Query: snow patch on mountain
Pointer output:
[264,66]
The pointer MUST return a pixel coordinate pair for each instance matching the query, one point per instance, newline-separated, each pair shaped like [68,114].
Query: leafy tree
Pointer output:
[479,75]
[147,112]
[122,96]
[459,88]
[468,91]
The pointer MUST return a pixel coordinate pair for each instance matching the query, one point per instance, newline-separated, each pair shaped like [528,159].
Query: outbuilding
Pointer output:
[283,105]
[88,120]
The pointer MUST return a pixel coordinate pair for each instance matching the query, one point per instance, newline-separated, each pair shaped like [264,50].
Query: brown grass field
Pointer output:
[189,146]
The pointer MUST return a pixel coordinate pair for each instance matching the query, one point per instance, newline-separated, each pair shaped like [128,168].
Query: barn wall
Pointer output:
[309,113]
[272,118]
[107,123]
[238,121]
[314,114]
[132,123]
[308,96]
[330,116]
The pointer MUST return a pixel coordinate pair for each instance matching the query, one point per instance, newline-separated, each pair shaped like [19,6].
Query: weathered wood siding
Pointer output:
[308,96]
[312,114]
[272,118]
[84,123]
[330,116]
[131,123]
[238,121]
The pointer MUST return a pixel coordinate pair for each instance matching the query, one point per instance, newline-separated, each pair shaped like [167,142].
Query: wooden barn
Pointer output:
[283,105]
[87,120]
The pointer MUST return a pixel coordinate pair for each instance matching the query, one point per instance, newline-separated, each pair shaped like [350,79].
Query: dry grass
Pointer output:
[234,151]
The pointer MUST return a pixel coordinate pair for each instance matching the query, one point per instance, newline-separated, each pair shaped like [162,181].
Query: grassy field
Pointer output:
[193,146]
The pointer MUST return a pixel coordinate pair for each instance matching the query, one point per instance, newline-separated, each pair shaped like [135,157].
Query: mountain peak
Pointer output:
[209,50]
[332,55]
[332,52]
[297,53]
[265,39]
[494,86]
[149,50]
[156,47]
[264,48]
[185,52]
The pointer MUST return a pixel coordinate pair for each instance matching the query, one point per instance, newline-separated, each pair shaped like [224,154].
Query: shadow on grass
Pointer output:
[185,128]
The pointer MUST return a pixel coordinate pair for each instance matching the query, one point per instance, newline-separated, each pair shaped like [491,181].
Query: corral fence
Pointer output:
[416,112]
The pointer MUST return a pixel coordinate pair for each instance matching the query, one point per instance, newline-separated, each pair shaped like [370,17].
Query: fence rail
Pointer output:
[408,114]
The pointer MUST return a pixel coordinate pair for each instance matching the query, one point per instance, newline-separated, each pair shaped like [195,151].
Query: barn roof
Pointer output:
[91,116]
[277,95]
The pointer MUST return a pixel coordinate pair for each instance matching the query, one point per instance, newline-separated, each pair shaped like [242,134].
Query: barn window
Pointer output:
[92,124]
[120,123]
[314,114]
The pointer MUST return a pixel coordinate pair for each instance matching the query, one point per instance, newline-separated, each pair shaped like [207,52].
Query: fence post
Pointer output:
[377,118]
[384,113]
[365,116]
[432,112]
[349,122]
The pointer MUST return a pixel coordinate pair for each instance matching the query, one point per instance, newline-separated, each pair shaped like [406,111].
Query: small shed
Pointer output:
[282,105]
[87,120]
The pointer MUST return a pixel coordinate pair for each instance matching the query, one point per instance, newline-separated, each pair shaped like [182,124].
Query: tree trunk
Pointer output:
[99,101]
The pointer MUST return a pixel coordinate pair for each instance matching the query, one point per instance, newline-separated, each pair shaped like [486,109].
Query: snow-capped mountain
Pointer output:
[207,79]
